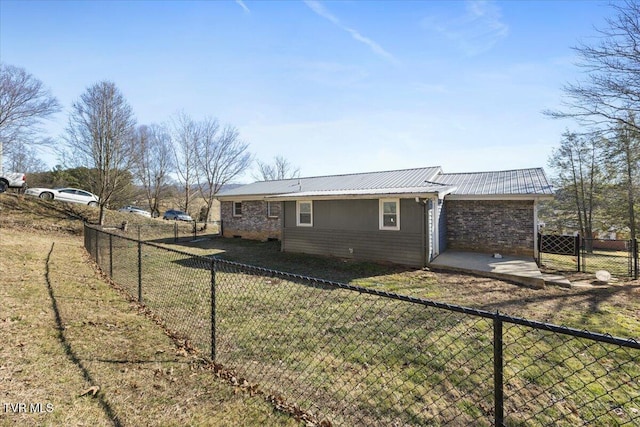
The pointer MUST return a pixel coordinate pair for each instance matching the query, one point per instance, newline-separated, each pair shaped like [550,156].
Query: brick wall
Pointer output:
[503,226]
[254,222]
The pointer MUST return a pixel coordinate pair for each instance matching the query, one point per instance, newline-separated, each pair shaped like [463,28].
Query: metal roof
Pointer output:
[432,188]
[510,182]
[417,178]
[427,180]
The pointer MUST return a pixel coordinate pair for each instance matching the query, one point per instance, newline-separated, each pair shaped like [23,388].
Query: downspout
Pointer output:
[424,255]
[282,222]
[424,233]
[535,230]
[436,226]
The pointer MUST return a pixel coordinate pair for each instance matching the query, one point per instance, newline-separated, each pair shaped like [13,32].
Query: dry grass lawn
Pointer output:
[73,342]
[613,309]
[76,352]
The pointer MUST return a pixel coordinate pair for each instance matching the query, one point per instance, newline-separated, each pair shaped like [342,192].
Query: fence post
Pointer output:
[139,271]
[175,232]
[579,252]
[498,374]
[111,256]
[213,309]
[635,258]
[96,247]
[195,230]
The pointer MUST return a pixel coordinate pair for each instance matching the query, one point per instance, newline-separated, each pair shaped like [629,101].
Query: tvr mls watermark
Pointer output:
[27,408]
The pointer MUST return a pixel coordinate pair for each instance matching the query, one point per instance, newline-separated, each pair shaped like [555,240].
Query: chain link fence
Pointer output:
[167,231]
[574,253]
[359,356]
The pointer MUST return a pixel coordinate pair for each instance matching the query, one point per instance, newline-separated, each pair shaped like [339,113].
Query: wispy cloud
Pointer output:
[319,9]
[243,6]
[476,31]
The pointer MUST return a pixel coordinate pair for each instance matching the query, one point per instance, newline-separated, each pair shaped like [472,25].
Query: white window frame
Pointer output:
[298,203]
[233,209]
[269,208]
[381,213]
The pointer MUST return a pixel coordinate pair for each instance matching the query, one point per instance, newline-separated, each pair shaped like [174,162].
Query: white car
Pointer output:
[12,180]
[135,210]
[72,195]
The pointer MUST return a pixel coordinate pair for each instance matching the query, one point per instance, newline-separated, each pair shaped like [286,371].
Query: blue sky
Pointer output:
[333,86]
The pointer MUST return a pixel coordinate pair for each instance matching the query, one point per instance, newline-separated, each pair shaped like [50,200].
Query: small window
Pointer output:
[389,214]
[272,209]
[237,208]
[304,213]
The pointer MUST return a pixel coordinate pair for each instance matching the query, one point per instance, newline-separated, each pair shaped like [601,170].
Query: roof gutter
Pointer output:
[500,197]
[364,194]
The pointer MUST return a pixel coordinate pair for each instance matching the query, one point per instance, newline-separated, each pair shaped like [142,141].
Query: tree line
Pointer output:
[106,149]
[596,167]
[597,164]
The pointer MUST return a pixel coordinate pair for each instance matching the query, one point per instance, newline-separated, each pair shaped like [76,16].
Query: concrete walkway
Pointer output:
[521,270]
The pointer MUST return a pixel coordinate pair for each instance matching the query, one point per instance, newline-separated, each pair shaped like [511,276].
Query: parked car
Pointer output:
[12,180]
[72,195]
[135,210]
[176,215]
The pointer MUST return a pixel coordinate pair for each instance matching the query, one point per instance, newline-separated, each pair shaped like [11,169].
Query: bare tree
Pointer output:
[221,157]
[608,99]
[24,102]
[611,88]
[621,154]
[24,159]
[279,169]
[580,177]
[153,163]
[184,135]
[100,135]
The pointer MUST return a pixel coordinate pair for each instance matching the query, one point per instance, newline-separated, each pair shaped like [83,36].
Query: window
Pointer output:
[237,208]
[389,214]
[272,209]
[304,213]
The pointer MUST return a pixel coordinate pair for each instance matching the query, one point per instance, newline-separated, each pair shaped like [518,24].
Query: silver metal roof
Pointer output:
[429,180]
[428,189]
[357,182]
[509,182]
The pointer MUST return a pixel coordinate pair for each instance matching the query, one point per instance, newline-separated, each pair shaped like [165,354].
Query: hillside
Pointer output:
[76,351]
[28,213]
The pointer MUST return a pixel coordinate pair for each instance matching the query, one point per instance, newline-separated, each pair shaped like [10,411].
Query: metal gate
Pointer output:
[562,252]
[573,253]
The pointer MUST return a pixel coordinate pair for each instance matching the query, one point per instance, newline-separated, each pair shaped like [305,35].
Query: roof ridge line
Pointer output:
[479,172]
[352,173]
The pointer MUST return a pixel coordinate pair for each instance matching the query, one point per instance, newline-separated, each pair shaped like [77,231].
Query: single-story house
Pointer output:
[403,216]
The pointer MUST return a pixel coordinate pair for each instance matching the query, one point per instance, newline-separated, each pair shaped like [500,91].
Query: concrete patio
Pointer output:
[521,270]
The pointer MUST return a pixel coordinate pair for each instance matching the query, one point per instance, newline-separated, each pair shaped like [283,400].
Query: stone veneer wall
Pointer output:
[254,222]
[503,226]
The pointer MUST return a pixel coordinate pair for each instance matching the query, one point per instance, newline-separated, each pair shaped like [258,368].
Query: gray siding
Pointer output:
[350,229]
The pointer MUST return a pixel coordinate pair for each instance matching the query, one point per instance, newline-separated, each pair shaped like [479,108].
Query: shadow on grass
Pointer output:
[69,351]
[268,255]
[263,275]
[592,299]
